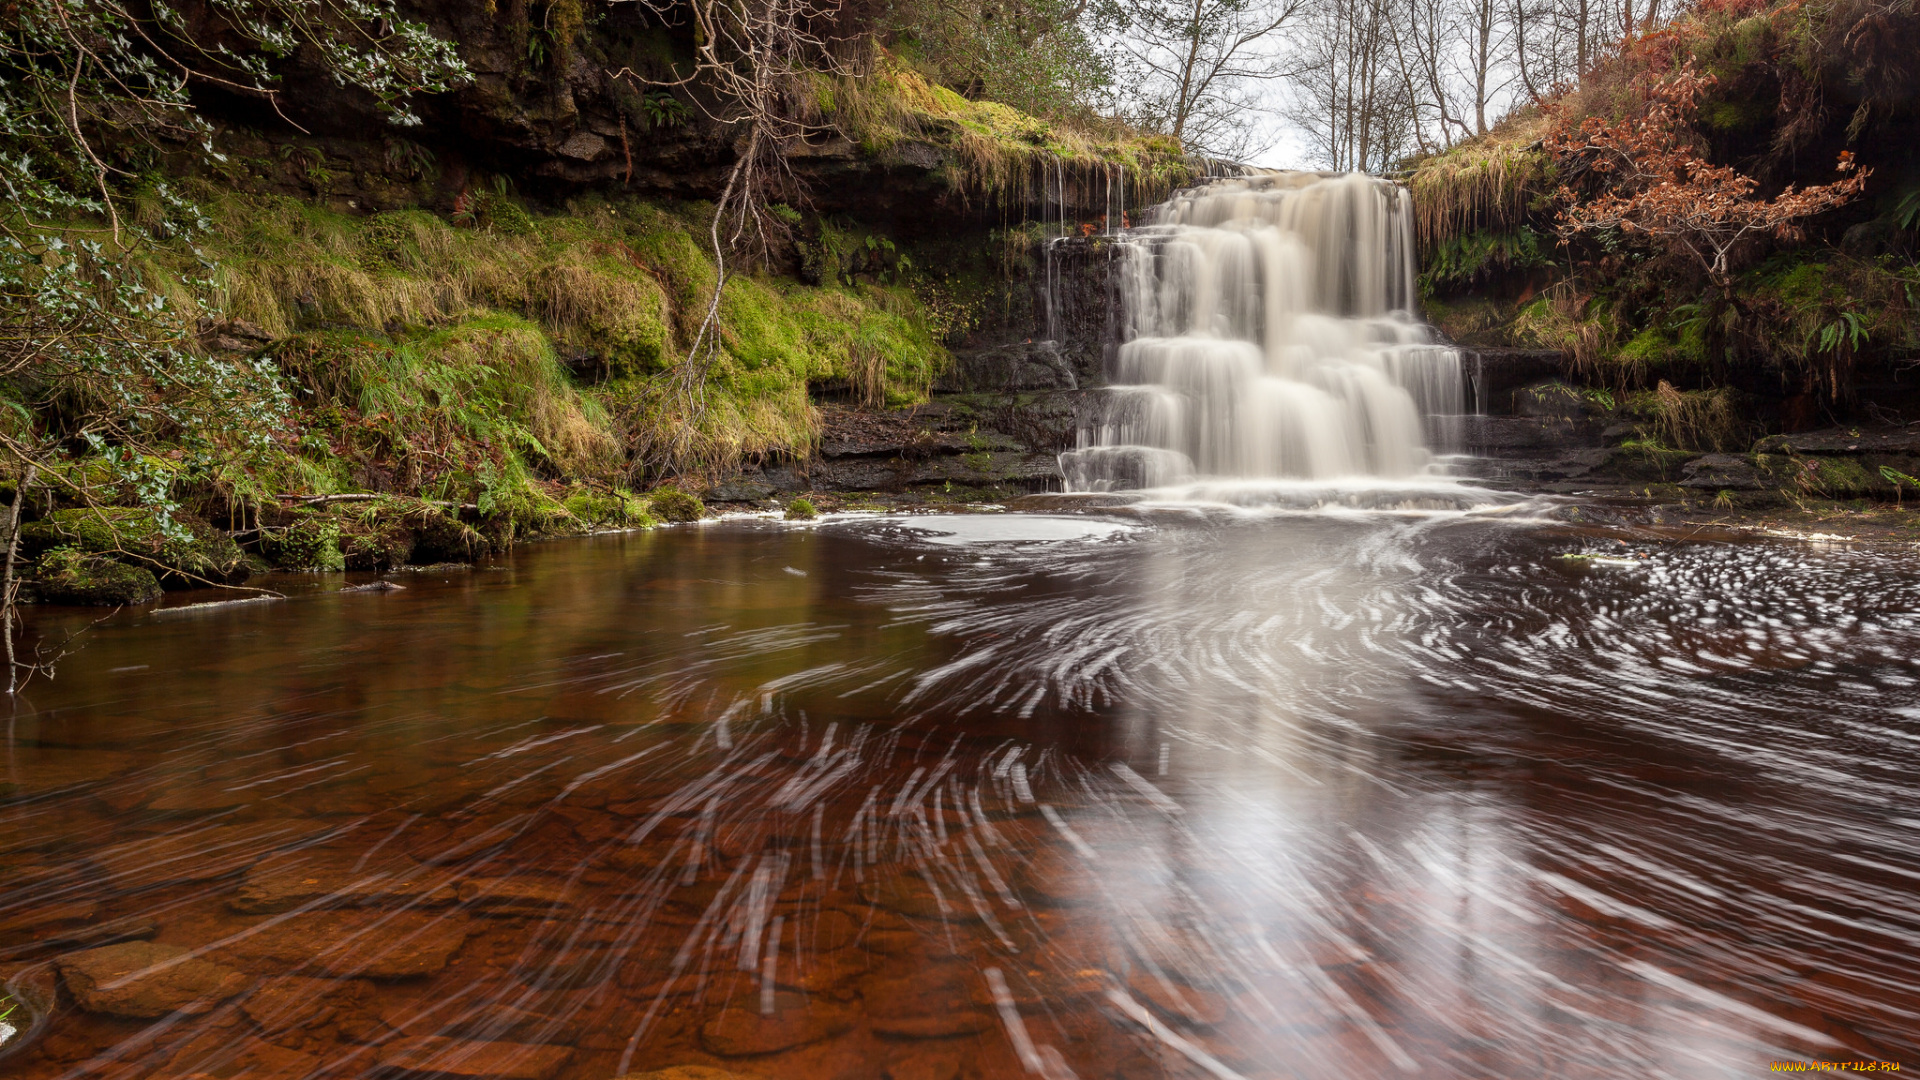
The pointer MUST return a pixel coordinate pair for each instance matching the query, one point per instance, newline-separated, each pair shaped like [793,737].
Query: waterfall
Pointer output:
[1268,333]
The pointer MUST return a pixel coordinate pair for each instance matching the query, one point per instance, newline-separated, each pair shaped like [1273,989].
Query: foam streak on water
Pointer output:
[1268,334]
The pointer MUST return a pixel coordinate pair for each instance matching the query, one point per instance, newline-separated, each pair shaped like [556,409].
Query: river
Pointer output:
[1136,792]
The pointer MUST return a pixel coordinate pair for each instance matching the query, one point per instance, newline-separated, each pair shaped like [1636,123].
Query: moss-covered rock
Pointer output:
[310,542]
[802,509]
[68,575]
[672,504]
[617,509]
[439,536]
[374,540]
[186,553]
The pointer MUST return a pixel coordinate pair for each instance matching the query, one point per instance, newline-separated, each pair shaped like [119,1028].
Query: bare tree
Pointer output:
[1195,61]
[750,60]
[1353,95]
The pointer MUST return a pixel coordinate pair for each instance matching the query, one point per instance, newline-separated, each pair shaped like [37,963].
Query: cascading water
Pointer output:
[1268,334]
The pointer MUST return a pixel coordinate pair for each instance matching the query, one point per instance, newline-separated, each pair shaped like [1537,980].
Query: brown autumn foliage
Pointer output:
[1655,185]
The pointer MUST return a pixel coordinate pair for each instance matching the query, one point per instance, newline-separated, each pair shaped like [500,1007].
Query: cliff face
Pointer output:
[573,96]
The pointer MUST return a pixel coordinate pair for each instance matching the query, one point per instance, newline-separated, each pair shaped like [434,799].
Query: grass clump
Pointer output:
[802,509]
[672,504]
[458,359]
[617,509]
[993,151]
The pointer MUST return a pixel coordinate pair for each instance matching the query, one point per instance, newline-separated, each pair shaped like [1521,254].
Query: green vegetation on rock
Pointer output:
[672,504]
[183,551]
[70,575]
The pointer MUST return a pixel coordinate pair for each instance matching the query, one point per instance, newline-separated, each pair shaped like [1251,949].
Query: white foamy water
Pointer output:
[1269,333]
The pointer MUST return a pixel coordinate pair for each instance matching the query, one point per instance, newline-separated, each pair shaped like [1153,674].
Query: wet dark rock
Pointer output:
[144,979]
[1010,468]
[741,489]
[67,575]
[191,553]
[1495,375]
[340,878]
[1717,472]
[1026,366]
[740,1030]
[440,536]
[443,1056]
[1903,441]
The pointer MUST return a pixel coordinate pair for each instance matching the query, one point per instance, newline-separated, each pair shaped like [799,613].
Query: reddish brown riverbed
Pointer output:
[1260,797]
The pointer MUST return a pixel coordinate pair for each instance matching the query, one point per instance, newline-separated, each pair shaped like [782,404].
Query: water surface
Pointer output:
[1176,793]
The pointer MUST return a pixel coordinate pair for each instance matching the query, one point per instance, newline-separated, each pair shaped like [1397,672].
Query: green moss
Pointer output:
[70,575]
[802,509]
[375,537]
[672,504]
[616,509]
[310,542]
[183,551]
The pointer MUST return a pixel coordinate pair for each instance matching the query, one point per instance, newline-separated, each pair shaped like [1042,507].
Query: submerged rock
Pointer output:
[326,878]
[741,1029]
[349,944]
[688,1073]
[144,979]
[68,575]
[444,1056]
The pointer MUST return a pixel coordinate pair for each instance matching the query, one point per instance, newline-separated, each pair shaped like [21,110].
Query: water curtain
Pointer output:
[1269,333]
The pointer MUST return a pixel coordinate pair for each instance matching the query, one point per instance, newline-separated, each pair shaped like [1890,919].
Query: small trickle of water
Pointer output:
[1269,333]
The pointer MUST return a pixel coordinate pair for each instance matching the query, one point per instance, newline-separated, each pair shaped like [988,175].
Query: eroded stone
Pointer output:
[741,1029]
[345,944]
[143,979]
[330,878]
[445,1056]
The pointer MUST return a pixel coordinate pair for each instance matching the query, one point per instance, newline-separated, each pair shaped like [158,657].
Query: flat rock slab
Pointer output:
[345,944]
[688,1073]
[205,854]
[142,979]
[1722,472]
[929,1002]
[741,1030]
[336,878]
[437,1055]
[515,896]
[299,1003]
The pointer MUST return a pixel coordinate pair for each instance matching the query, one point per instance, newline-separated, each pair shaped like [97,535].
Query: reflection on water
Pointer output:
[988,797]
